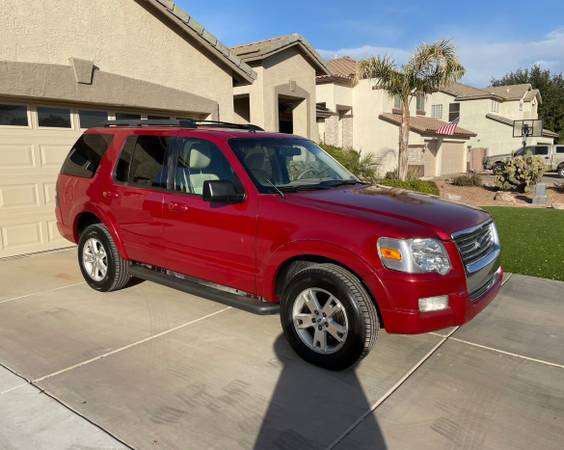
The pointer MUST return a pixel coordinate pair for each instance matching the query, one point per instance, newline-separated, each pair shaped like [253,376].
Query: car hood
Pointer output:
[498,157]
[407,212]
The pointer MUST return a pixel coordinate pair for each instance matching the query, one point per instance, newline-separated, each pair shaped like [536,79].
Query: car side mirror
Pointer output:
[220,191]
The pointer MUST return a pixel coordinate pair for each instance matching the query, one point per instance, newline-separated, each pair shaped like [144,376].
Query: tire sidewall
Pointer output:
[561,171]
[95,231]
[353,347]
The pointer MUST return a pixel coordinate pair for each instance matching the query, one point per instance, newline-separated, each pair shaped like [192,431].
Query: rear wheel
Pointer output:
[100,262]
[328,317]
[561,171]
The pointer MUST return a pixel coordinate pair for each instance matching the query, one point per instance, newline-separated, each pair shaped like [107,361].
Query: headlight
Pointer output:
[414,255]
[495,236]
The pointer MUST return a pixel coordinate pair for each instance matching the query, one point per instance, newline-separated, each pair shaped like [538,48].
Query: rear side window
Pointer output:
[85,156]
[143,161]
[560,149]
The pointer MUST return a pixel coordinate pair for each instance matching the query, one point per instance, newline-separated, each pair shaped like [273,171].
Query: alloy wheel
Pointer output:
[320,320]
[95,259]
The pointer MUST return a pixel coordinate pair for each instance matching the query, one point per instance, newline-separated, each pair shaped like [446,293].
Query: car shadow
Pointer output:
[311,407]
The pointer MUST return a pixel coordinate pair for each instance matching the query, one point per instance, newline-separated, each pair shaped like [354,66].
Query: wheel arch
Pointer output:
[296,255]
[90,216]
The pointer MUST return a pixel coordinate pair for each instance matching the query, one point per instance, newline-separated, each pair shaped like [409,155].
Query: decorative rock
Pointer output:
[453,197]
[504,197]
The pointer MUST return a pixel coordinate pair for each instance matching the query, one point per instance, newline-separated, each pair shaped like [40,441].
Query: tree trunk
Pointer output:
[403,142]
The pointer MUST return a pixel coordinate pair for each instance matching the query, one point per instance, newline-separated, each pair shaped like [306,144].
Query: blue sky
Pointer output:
[492,37]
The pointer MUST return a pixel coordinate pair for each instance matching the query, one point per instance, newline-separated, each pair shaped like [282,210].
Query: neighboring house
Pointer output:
[283,96]
[490,112]
[67,65]
[349,108]
[357,115]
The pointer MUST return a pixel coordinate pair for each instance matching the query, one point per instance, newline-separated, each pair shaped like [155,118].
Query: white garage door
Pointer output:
[30,159]
[452,158]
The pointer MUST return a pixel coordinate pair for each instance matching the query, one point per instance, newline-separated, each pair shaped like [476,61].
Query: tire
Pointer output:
[351,317]
[561,171]
[96,244]
[498,168]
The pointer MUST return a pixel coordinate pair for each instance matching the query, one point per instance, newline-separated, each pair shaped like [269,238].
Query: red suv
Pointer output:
[270,223]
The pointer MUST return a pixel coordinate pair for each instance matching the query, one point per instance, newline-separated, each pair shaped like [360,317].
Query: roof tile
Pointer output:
[426,126]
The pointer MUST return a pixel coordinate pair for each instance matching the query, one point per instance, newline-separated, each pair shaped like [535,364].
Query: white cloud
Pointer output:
[484,59]
[366,51]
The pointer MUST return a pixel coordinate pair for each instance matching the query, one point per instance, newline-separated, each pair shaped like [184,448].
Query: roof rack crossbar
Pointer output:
[237,126]
[182,123]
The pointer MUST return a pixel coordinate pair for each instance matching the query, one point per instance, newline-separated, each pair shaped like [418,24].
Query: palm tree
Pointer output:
[429,68]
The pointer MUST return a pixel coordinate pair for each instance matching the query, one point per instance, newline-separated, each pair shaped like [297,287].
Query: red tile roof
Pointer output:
[426,126]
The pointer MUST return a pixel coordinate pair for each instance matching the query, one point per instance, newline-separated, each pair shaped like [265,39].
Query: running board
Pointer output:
[249,304]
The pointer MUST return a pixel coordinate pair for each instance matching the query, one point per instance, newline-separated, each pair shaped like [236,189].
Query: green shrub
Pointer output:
[467,180]
[362,165]
[423,186]
[520,173]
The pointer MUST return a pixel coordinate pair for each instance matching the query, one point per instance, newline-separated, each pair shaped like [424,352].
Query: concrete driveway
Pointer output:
[149,367]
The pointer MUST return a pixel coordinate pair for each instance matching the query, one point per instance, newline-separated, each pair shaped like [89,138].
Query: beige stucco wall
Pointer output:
[126,40]
[496,137]
[279,70]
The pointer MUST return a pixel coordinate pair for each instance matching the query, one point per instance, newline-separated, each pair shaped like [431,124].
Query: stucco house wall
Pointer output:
[280,71]
[128,41]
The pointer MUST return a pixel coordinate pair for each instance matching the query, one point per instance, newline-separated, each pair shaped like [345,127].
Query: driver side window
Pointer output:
[199,161]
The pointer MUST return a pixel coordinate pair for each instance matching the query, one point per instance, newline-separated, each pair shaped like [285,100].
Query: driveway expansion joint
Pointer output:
[393,389]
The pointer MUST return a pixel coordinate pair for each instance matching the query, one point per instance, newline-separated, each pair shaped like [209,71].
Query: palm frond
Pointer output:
[384,72]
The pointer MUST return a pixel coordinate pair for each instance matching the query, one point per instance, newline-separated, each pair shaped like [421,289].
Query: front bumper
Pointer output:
[462,308]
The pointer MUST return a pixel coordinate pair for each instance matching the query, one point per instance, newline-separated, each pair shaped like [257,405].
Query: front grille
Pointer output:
[475,244]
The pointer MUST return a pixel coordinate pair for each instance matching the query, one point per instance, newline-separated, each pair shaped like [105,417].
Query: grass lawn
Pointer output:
[532,240]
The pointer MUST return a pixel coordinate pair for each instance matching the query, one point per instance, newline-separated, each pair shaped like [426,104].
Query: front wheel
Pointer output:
[328,317]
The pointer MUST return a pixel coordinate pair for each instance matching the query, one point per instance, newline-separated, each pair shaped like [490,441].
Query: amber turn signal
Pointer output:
[390,253]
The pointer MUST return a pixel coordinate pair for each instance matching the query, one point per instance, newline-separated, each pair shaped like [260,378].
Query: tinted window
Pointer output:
[541,150]
[158,118]
[142,161]
[54,117]
[199,161]
[560,149]
[92,119]
[13,115]
[85,156]
[128,116]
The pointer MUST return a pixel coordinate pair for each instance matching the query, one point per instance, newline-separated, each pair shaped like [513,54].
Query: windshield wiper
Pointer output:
[335,183]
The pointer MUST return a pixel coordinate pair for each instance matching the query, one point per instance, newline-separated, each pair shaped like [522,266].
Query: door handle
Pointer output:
[109,194]
[175,206]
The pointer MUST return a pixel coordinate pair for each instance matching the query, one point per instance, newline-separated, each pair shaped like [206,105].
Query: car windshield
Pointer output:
[289,164]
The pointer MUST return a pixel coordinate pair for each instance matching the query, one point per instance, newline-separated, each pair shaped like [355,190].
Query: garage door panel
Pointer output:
[52,156]
[29,234]
[16,156]
[18,235]
[19,196]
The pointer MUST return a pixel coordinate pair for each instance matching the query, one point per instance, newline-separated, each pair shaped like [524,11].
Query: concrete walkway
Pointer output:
[151,367]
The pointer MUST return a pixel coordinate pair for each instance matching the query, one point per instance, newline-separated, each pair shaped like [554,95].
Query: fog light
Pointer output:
[433,303]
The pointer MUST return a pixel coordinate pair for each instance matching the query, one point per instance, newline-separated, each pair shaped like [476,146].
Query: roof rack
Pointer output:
[181,123]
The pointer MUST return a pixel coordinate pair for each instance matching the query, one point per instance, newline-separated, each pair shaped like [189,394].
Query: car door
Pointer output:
[542,151]
[213,242]
[137,197]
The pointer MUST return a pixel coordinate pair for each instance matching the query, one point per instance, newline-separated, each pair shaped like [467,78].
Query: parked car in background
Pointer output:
[552,155]
[269,223]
